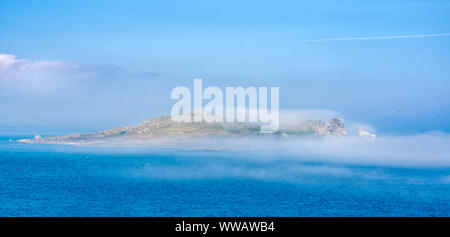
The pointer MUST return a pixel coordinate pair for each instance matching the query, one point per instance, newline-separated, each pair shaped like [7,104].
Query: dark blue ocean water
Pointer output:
[52,180]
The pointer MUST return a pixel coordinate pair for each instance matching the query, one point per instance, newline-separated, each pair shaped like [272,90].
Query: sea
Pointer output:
[62,180]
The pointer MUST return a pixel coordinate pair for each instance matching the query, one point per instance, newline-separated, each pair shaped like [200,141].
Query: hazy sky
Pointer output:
[89,65]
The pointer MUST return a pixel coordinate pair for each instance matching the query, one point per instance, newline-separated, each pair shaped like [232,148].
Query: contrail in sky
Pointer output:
[379,37]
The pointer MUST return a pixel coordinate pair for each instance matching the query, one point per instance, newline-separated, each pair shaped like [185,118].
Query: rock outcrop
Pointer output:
[363,133]
[335,127]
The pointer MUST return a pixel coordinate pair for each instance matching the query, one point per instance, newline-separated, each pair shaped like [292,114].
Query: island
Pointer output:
[162,131]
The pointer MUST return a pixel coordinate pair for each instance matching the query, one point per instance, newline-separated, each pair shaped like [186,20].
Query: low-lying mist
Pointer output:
[417,159]
[428,150]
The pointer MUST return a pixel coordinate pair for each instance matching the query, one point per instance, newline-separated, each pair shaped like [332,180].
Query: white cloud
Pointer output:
[6,60]
[26,76]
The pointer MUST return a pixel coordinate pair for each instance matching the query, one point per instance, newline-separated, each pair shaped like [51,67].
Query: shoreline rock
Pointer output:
[363,133]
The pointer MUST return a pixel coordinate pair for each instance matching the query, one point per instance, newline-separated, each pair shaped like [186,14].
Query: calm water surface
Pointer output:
[53,180]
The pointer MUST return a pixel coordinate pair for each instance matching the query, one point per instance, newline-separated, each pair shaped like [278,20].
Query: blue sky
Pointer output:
[137,51]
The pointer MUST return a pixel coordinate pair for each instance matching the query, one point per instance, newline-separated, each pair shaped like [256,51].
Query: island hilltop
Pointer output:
[163,130]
